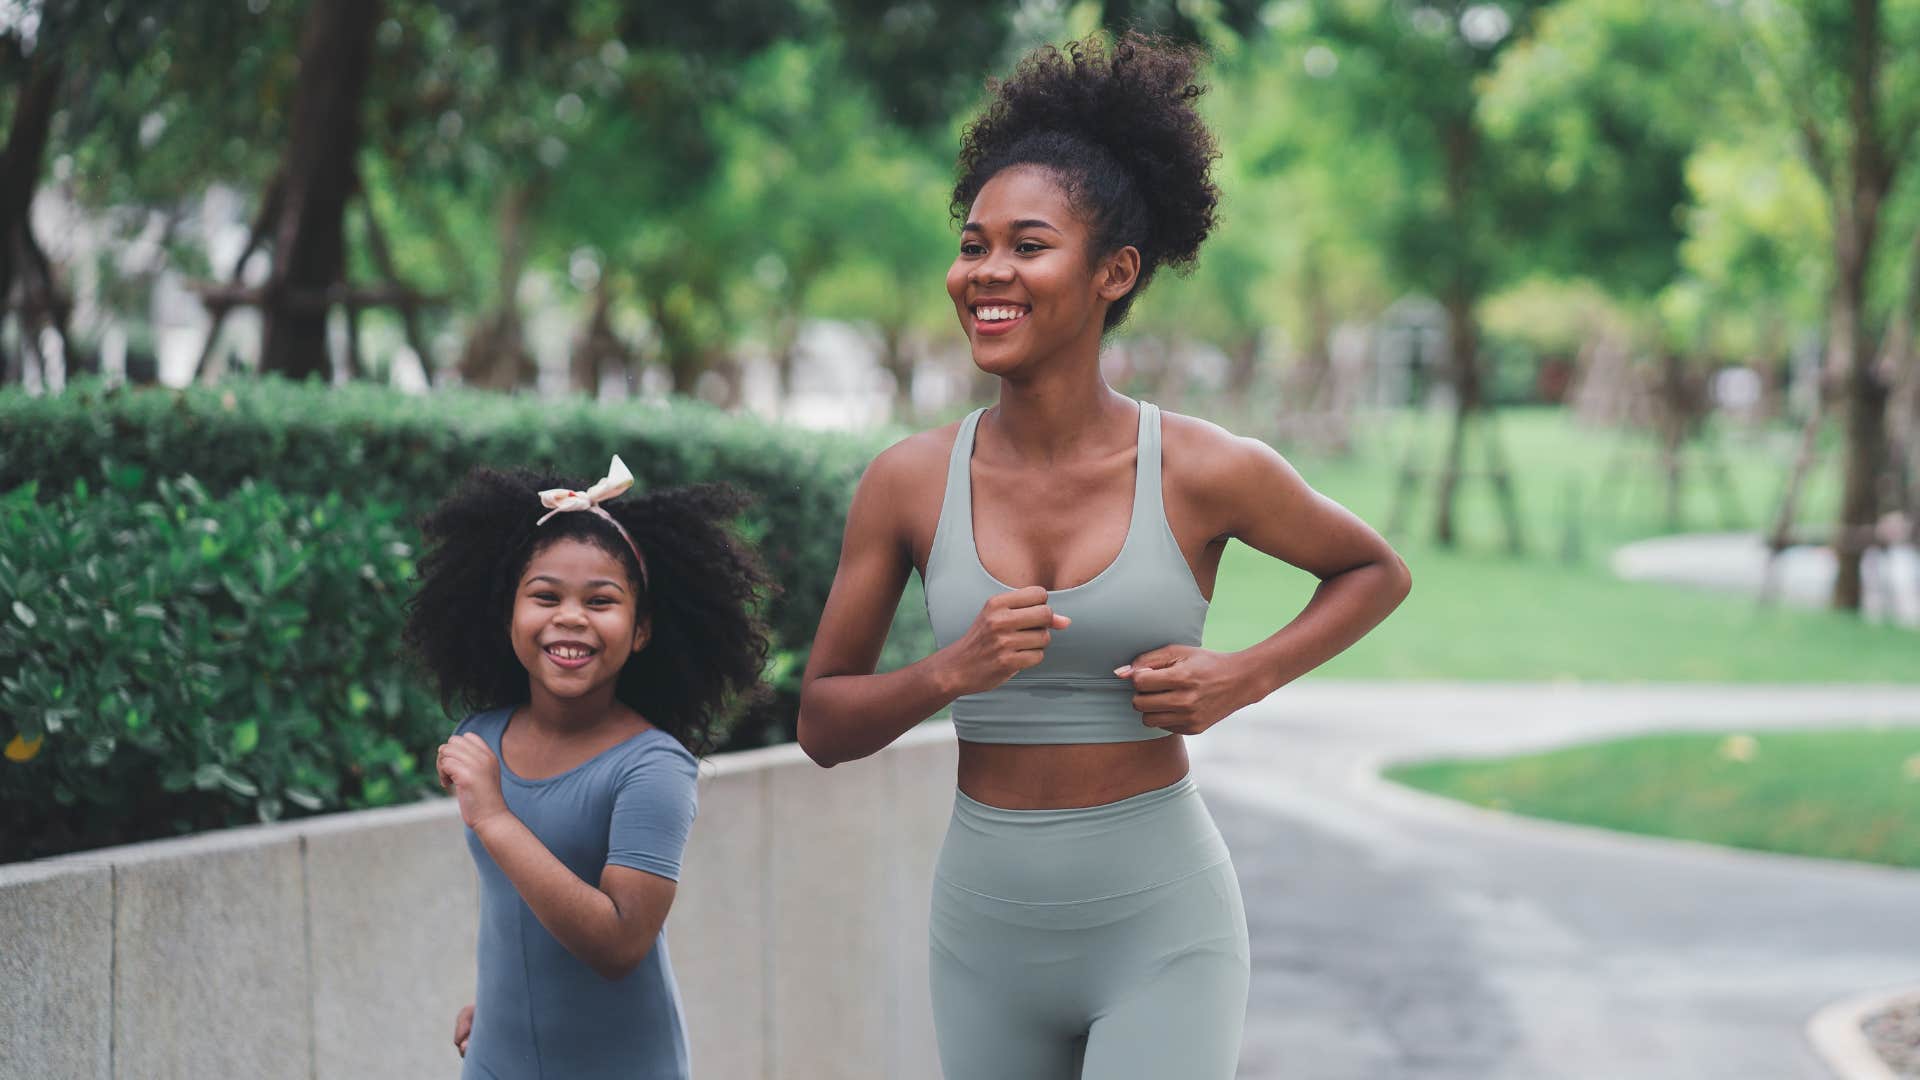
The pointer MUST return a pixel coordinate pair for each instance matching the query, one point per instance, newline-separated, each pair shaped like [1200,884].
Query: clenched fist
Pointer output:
[1010,635]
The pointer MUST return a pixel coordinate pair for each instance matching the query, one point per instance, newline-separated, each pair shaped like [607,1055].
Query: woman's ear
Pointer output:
[1118,273]
[642,632]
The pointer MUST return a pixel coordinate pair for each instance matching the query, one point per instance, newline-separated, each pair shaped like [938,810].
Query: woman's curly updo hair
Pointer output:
[1116,126]
[703,588]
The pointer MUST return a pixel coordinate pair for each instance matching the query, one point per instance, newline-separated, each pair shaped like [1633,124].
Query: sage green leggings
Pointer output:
[1105,943]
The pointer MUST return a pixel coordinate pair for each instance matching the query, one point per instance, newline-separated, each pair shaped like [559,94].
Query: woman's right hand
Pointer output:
[1010,635]
[462,1029]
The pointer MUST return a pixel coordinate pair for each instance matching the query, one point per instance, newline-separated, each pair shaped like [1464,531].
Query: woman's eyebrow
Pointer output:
[1023,223]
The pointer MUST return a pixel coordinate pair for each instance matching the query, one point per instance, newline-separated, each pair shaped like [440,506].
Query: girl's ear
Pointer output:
[642,632]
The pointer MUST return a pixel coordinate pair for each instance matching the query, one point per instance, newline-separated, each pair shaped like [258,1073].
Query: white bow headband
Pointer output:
[612,485]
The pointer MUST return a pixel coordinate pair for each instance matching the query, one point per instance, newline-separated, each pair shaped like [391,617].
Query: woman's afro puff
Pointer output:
[1117,127]
[703,589]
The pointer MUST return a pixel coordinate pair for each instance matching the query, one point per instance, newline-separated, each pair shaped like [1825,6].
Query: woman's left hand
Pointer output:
[466,765]
[1187,690]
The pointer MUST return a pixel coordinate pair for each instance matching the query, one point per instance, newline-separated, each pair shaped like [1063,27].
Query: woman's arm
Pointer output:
[1362,579]
[1255,496]
[848,712]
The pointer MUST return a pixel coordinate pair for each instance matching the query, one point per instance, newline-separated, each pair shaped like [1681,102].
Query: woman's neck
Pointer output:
[1059,415]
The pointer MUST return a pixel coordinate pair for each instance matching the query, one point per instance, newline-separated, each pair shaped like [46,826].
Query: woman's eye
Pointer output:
[547,597]
[1028,247]
[602,601]
[971,249]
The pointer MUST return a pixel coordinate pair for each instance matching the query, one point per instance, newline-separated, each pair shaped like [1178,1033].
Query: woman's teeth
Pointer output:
[998,314]
[569,652]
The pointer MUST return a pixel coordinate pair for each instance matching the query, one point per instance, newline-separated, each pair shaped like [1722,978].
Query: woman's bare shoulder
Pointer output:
[913,461]
[1202,455]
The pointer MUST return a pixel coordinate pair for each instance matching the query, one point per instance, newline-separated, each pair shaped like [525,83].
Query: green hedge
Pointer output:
[178,662]
[375,445]
[124,635]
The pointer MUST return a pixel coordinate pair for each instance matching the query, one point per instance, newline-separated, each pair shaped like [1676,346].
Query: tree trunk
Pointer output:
[899,360]
[495,356]
[20,176]
[683,358]
[1463,372]
[1863,400]
[598,349]
[309,250]
[1900,367]
[1857,193]
[1460,143]
[1671,419]
[786,351]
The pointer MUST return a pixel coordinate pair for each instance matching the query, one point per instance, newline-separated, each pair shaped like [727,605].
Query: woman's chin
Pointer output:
[1002,363]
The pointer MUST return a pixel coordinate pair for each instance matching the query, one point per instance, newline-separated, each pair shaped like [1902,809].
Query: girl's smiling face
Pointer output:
[574,620]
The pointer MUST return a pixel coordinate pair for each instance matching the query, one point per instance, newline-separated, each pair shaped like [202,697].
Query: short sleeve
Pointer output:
[653,811]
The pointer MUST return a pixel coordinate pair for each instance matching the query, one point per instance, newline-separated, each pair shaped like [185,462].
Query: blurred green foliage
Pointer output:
[178,661]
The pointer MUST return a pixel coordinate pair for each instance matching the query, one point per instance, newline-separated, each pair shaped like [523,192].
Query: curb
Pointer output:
[1835,1034]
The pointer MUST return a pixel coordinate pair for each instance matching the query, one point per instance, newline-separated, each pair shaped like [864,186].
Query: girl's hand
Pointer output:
[1186,690]
[468,768]
[1010,634]
[462,1029]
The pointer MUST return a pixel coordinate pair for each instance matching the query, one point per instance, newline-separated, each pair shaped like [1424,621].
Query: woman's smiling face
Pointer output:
[1027,283]
[574,623]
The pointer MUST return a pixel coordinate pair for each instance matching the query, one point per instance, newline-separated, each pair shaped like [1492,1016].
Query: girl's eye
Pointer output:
[1028,247]
[972,249]
[603,601]
[546,597]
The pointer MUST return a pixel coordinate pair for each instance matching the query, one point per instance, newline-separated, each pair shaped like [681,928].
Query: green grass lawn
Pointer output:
[1478,613]
[1840,794]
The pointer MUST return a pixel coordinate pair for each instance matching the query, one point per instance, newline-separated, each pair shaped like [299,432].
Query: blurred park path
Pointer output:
[1803,576]
[1399,936]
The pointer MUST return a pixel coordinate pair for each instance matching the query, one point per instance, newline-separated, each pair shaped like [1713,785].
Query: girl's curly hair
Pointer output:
[703,588]
[1117,127]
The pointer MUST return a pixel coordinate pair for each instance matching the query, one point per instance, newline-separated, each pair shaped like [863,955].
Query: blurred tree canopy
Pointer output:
[689,186]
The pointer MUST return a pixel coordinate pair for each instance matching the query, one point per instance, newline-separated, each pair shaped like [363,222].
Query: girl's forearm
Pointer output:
[847,717]
[579,916]
[1343,608]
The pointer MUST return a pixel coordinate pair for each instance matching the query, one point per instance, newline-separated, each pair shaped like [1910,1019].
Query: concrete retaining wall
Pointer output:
[341,946]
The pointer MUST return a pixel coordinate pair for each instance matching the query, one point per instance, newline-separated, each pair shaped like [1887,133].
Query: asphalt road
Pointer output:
[1396,935]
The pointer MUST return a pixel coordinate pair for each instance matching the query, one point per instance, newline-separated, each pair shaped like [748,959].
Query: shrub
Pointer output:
[179,662]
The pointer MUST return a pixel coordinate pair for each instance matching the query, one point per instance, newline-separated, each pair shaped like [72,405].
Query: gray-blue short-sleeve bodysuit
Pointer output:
[540,1013]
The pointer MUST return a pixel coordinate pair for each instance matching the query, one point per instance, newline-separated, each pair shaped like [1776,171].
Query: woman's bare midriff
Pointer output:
[1059,777]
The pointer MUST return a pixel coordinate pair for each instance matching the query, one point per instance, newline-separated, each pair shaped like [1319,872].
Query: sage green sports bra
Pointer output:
[1146,598]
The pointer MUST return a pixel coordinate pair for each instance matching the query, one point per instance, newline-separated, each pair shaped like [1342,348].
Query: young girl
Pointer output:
[1086,919]
[600,641]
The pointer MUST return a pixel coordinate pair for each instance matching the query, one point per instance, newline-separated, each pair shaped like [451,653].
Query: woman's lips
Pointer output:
[992,327]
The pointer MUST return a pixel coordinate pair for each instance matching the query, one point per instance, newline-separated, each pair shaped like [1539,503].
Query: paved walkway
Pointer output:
[1400,936]
[1737,562]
